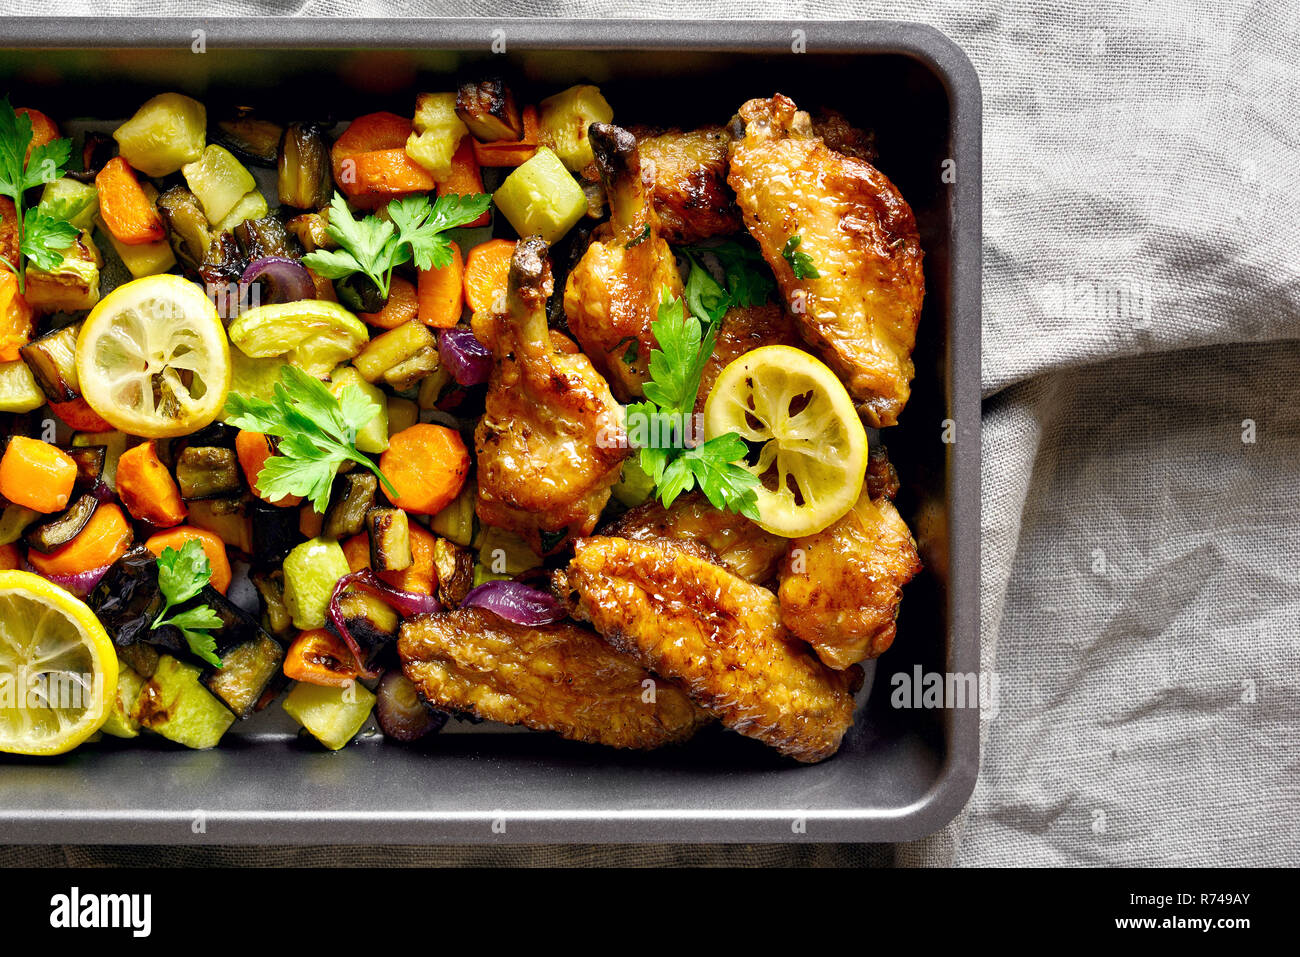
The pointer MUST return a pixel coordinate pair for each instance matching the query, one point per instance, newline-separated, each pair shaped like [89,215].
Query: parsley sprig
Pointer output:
[41,237]
[317,434]
[414,231]
[658,425]
[801,264]
[181,576]
[747,280]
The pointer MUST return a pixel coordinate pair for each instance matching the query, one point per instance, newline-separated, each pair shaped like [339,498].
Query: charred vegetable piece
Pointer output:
[224,262]
[401,712]
[127,598]
[246,671]
[53,361]
[390,539]
[353,496]
[489,110]
[218,435]
[275,533]
[249,137]
[13,519]
[360,294]
[395,347]
[95,152]
[276,619]
[370,619]
[174,704]
[332,716]
[90,464]
[310,230]
[406,375]
[187,227]
[207,472]
[264,237]
[455,568]
[64,527]
[305,180]
[227,518]
[141,658]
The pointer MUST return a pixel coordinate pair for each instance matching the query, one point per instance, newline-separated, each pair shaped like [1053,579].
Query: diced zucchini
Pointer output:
[431,387]
[18,389]
[353,496]
[393,348]
[438,131]
[227,518]
[564,120]
[250,206]
[313,334]
[505,553]
[114,444]
[174,704]
[390,539]
[402,414]
[120,723]
[147,259]
[66,199]
[311,571]
[634,485]
[244,673]
[14,520]
[165,134]
[372,438]
[53,361]
[331,715]
[72,285]
[541,198]
[218,181]
[489,110]
[207,472]
[456,521]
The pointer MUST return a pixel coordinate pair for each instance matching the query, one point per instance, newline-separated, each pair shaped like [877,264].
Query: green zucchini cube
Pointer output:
[174,704]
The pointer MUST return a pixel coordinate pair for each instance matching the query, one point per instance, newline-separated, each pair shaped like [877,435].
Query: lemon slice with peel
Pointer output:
[58,669]
[153,358]
[814,447]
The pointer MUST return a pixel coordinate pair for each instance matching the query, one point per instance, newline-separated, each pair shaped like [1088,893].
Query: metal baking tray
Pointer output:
[901,773]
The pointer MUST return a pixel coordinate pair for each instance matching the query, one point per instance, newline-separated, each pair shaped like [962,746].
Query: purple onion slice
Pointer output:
[79,585]
[406,604]
[467,359]
[282,279]
[516,602]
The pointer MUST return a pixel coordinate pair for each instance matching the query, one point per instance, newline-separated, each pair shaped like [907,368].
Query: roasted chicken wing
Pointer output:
[840,589]
[717,636]
[689,170]
[559,677]
[612,295]
[801,199]
[551,442]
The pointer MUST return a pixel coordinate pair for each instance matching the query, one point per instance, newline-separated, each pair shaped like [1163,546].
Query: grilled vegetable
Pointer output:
[311,571]
[124,206]
[275,617]
[353,496]
[251,205]
[53,361]
[70,286]
[224,262]
[218,181]
[13,519]
[64,527]
[174,704]
[402,414]
[505,553]
[114,444]
[304,178]
[127,598]
[260,238]
[456,522]
[368,618]
[188,229]
[89,460]
[541,198]
[247,136]
[489,110]
[360,294]
[455,566]
[321,658]
[96,150]
[206,472]
[165,134]
[36,474]
[246,671]
[140,658]
[119,723]
[19,390]
[214,549]
[390,539]
[105,539]
[438,131]
[332,716]
[66,199]
[275,533]
[388,352]
[310,230]
[227,518]
[401,712]
[147,488]
[147,259]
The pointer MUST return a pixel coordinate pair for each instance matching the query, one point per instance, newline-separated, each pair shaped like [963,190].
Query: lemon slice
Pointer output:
[58,669]
[153,358]
[814,448]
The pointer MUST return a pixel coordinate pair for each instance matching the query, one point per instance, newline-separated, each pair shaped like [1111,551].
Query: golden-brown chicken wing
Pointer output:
[841,588]
[861,309]
[612,295]
[743,329]
[691,194]
[717,636]
[558,677]
[551,442]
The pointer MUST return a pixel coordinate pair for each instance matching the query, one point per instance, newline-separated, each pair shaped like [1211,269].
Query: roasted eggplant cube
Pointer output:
[304,179]
[208,472]
[408,374]
[127,599]
[141,658]
[352,497]
[455,568]
[310,230]
[227,518]
[267,236]
[390,539]
[246,671]
[369,618]
[90,461]
[489,110]
[53,361]
[188,229]
[249,137]
[390,350]
[64,527]
[224,263]
[275,614]
[275,533]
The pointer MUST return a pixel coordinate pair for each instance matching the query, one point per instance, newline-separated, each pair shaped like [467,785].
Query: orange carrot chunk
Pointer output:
[402,306]
[126,210]
[420,576]
[510,152]
[213,547]
[442,292]
[16,316]
[10,558]
[427,465]
[319,658]
[464,179]
[147,488]
[36,475]
[78,415]
[486,273]
[253,449]
[103,541]
[43,129]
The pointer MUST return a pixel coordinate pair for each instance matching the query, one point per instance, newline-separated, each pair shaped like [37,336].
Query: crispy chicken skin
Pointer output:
[550,443]
[559,677]
[743,329]
[840,589]
[718,637]
[734,541]
[691,194]
[861,314]
[612,294]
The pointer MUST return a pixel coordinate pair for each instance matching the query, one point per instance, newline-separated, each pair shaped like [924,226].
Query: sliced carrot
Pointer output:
[37,475]
[43,129]
[373,131]
[79,416]
[10,557]
[126,209]
[310,521]
[464,179]
[389,173]
[510,152]
[16,316]
[320,658]
[442,292]
[400,309]
[253,449]
[420,576]
[427,464]
[147,488]
[370,161]
[213,547]
[103,541]
[487,271]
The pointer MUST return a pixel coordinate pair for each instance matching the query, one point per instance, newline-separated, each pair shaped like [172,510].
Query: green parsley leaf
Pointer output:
[746,279]
[801,264]
[41,237]
[45,239]
[317,434]
[182,574]
[677,365]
